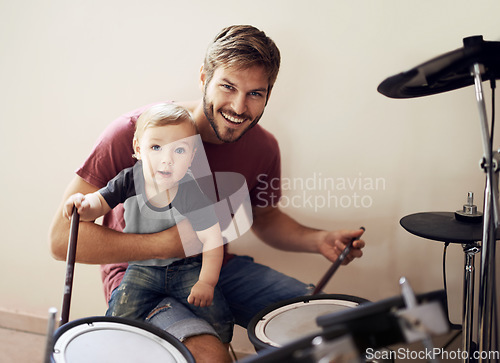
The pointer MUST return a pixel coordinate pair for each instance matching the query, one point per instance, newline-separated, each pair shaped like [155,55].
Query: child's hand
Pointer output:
[201,295]
[79,201]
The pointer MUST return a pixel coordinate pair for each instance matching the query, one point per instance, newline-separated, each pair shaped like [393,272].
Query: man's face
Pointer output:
[234,101]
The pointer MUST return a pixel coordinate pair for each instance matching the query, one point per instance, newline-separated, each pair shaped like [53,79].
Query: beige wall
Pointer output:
[68,68]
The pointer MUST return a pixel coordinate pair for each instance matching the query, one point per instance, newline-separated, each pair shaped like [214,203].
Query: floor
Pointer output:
[21,347]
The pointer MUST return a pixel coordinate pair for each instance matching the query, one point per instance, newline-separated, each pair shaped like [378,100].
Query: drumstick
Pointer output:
[70,266]
[336,264]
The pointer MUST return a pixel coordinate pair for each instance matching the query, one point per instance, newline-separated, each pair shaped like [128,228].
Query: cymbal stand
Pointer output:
[470,250]
[50,335]
[490,165]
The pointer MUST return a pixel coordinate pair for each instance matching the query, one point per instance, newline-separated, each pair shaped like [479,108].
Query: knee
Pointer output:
[207,349]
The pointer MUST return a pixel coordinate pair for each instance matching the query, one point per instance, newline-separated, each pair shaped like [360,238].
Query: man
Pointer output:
[236,80]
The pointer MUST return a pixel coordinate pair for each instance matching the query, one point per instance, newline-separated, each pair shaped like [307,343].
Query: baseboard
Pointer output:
[23,322]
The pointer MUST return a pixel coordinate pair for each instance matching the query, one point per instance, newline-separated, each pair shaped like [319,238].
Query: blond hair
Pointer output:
[163,114]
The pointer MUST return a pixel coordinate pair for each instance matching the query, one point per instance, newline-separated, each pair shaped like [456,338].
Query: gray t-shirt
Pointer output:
[142,217]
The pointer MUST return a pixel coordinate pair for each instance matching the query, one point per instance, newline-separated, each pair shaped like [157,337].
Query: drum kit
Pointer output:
[476,62]
[342,328]
[291,332]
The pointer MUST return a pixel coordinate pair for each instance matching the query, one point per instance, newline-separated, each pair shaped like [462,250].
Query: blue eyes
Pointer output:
[231,88]
[179,150]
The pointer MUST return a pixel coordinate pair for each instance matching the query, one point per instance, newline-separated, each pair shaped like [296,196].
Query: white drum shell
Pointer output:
[106,342]
[296,320]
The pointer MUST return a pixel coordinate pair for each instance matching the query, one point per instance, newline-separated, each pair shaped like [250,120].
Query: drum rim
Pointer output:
[150,328]
[282,304]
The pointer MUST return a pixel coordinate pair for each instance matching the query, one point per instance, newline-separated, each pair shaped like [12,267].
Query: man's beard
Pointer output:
[208,109]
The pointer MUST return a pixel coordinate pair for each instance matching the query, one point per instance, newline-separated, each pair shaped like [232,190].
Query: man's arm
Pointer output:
[101,245]
[281,231]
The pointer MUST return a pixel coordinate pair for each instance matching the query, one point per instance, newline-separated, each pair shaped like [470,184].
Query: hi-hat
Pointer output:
[447,72]
[442,226]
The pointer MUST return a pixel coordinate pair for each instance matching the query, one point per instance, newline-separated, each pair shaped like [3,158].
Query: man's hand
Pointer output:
[333,243]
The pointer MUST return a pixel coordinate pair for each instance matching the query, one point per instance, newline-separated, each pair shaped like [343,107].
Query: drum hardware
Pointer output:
[400,319]
[462,228]
[469,213]
[333,268]
[419,321]
[307,349]
[50,334]
[476,62]
[452,228]
[470,250]
[339,350]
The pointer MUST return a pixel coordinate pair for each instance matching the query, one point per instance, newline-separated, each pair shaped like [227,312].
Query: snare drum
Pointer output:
[287,331]
[293,319]
[113,339]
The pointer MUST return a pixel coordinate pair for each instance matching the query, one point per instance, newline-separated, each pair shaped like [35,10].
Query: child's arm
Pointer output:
[89,206]
[202,292]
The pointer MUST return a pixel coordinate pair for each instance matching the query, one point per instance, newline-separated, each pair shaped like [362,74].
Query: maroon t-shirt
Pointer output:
[256,156]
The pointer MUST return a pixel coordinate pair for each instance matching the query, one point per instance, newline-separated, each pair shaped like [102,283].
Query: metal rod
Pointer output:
[470,249]
[490,224]
[485,132]
[70,266]
[50,334]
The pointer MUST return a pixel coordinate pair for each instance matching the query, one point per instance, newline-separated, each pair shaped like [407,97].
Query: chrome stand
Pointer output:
[487,286]
[476,61]
[470,250]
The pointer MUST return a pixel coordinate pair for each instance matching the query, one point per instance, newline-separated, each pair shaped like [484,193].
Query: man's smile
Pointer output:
[233,119]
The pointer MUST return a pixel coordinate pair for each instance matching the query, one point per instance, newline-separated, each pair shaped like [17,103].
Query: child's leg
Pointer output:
[138,292]
[180,280]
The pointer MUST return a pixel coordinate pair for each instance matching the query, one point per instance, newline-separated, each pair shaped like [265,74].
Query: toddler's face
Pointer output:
[167,153]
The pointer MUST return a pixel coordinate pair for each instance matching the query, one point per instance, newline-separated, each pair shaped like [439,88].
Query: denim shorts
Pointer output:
[247,288]
[150,292]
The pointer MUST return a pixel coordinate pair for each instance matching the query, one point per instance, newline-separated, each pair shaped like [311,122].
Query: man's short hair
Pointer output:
[242,47]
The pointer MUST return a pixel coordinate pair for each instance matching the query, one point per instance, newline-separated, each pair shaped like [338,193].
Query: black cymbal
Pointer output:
[443,226]
[447,72]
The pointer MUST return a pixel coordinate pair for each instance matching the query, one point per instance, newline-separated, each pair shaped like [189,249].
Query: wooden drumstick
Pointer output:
[70,265]
[336,264]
